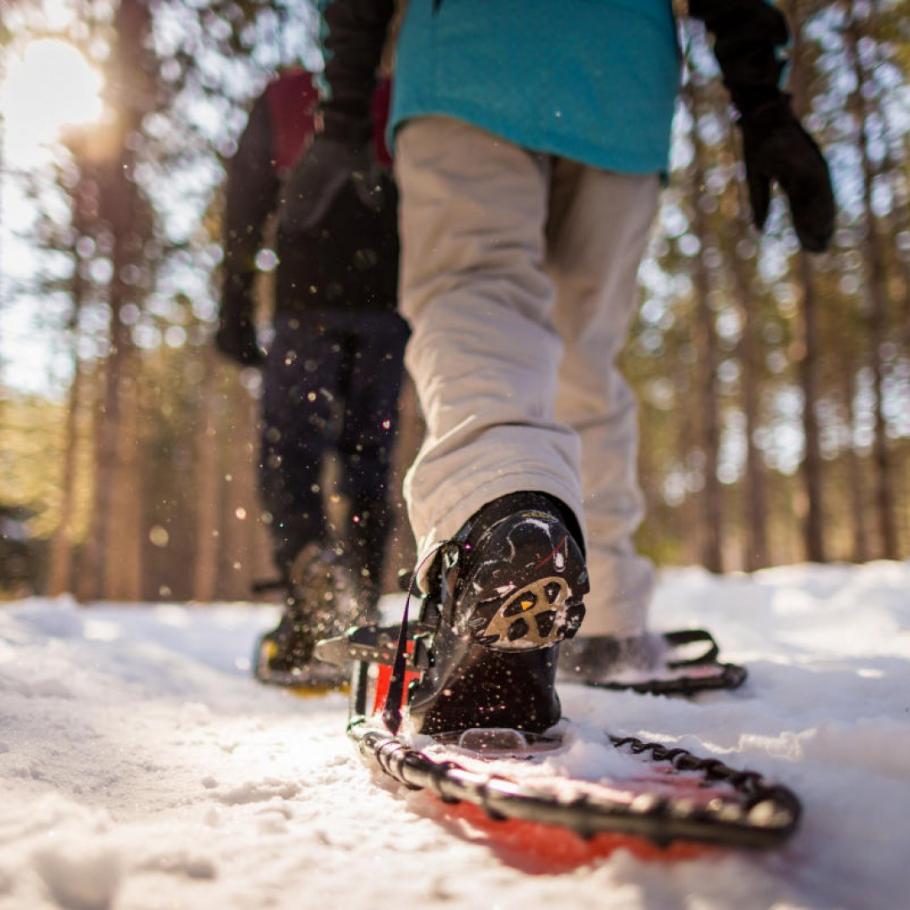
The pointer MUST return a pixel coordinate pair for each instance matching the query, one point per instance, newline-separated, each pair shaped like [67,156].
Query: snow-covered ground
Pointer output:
[141,768]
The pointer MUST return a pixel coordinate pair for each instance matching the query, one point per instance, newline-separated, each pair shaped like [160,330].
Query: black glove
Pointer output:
[354,35]
[747,37]
[236,335]
[319,176]
[777,148]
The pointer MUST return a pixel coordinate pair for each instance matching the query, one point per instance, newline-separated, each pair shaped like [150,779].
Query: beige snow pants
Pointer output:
[519,281]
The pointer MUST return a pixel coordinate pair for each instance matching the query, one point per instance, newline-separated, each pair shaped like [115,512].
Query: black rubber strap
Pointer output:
[730,676]
[688,637]
[391,714]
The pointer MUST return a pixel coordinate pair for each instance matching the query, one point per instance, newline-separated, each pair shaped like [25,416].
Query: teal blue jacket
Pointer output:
[590,80]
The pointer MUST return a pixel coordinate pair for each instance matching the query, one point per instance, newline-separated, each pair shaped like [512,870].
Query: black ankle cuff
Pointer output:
[507,505]
[495,511]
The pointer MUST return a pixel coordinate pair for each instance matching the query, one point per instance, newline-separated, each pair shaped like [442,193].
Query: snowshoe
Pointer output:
[276,664]
[651,664]
[474,679]
[644,790]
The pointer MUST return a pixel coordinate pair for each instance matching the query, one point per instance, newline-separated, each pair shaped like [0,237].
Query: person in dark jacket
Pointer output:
[332,374]
[530,138]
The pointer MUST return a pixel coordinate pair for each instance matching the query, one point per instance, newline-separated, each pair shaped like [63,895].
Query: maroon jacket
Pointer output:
[350,260]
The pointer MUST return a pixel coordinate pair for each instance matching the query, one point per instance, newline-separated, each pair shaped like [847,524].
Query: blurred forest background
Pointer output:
[774,386]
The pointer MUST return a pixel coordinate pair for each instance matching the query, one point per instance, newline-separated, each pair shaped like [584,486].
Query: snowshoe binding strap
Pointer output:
[373,644]
[688,637]
[391,714]
[727,676]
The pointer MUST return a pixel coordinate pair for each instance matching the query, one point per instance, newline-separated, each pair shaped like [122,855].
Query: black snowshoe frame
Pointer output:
[765,817]
[718,805]
[728,676]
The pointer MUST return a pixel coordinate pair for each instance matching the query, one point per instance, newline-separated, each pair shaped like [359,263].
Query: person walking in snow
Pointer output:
[529,144]
[333,371]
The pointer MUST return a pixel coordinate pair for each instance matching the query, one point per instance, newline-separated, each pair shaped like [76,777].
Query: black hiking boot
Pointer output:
[503,594]
[325,595]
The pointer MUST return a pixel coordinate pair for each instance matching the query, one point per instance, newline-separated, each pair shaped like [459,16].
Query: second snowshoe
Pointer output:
[652,663]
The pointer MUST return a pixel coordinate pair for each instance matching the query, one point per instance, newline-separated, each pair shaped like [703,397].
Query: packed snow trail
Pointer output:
[141,768]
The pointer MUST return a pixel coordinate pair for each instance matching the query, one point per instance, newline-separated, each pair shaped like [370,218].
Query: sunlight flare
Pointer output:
[50,85]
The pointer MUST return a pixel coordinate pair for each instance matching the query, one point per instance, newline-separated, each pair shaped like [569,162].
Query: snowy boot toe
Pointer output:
[325,596]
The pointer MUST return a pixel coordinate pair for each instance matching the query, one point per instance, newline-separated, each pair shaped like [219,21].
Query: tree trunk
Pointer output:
[124,575]
[61,559]
[240,526]
[106,424]
[877,289]
[117,522]
[895,152]
[811,468]
[755,499]
[60,575]
[860,548]
[208,485]
[812,471]
[685,441]
[87,581]
[107,474]
[705,337]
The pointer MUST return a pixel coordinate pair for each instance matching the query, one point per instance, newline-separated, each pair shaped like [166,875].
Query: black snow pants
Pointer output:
[331,383]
